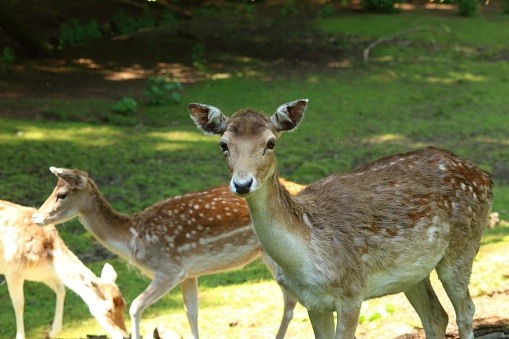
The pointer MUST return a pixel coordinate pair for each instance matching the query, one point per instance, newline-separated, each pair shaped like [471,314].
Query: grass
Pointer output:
[454,96]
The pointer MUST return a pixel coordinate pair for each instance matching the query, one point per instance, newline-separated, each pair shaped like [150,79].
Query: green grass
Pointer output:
[407,97]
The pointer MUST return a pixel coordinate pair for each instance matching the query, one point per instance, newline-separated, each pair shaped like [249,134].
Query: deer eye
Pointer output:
[223,145]
[271,144]
[61,196]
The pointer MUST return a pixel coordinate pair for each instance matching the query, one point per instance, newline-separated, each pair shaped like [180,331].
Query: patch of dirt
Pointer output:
[117,67]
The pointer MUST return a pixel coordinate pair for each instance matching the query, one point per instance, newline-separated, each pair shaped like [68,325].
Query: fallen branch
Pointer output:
[390,38]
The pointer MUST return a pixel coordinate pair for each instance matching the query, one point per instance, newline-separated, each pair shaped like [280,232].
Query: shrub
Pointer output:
[381,6]
[198,56]
[6,59]
[125,106]
[163,90]
[467,7]
[73,33]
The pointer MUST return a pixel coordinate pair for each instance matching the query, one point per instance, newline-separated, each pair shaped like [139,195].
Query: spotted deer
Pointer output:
[172,242]
[30,252]
[377,230]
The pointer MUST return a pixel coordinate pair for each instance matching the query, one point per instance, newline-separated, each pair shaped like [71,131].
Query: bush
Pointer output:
[163,90]
[73,33]
[125,106]
[467,7]
[380,6]
[6,59]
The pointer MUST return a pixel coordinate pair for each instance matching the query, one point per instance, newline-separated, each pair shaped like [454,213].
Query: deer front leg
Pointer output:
[15,287]
[190,294]
[161,285]
[322,323]
[348,311]
[59,290]
[289,300]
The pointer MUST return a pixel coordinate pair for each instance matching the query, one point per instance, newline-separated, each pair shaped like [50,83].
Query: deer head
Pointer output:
[66,200]
[249,167]
[107,304]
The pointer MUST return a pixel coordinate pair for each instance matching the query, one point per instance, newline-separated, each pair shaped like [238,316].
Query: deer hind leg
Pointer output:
[289,300]
[323,324]
[425,302]
[15,287]
[189,289]
[454,273]
[59,289]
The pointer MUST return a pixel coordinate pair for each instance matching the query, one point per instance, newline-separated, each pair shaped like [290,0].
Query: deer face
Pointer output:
[66,200]
[249,151]
[248,140]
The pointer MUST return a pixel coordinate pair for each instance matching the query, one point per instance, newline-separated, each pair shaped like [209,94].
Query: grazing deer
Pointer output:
[377,230]
[30,252]
[172,242]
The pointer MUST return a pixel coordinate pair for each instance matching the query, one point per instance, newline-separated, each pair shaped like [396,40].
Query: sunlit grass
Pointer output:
[253,309]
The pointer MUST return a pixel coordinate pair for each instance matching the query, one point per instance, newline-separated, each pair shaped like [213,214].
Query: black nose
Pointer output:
[243,188]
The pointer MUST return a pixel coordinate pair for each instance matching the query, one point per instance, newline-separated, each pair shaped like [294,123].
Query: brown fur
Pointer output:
[376,230]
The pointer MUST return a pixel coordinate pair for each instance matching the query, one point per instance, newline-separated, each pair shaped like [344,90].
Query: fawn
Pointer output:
[30,252]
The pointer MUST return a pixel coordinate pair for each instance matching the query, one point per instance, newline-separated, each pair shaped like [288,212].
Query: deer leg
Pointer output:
[455,281]
[289,300]
[59,290]
[425,302]
[157,288]
[289,304]
[322,323]
[15,287]
[348,311]
[189,288]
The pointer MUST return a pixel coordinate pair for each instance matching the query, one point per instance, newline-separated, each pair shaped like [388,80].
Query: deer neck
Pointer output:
[109,227]
[279,222]
[72,272]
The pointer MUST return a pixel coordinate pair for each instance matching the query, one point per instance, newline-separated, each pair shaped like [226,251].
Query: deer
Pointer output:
[376,230]
[172,242]
[30,252]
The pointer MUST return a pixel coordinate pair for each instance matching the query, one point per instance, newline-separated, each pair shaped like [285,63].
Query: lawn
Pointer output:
[445,86]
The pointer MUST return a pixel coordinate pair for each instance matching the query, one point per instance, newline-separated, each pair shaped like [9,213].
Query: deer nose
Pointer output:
[242,186]
[38,219]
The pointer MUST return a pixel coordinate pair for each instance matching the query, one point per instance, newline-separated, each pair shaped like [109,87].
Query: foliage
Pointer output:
[6,59]
[288,8]
[198,56]
[128,24]
[125,106]
[467,7]
[382,6]
[163,90]
[327,10]
[73,33]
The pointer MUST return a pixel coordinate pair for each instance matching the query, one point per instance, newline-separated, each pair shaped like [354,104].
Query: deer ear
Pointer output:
[72,178]
[288,115]
[208,118]
[108,273]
